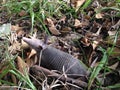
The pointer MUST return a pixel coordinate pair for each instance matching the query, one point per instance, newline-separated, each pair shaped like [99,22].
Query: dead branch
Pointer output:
[37,69]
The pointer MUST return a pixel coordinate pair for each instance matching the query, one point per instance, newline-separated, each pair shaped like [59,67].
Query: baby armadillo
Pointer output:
[55,59]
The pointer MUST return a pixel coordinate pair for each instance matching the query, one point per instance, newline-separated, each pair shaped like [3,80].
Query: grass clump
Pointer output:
[37,9]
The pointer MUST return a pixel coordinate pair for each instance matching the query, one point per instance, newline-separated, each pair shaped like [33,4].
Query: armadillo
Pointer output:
[55,59]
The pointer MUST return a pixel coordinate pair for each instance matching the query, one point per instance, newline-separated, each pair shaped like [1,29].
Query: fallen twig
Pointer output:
[37,69]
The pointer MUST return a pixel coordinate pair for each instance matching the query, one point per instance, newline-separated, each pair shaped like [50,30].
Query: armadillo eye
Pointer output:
[40,47]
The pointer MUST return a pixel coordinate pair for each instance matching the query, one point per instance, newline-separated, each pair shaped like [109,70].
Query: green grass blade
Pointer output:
[4,72]
[109,8]
[43,25]
[97,69]
[7,83]
[24,78]
[87,3]
[114,86]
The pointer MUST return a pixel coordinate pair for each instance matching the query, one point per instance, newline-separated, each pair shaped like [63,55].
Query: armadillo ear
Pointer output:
[46,37]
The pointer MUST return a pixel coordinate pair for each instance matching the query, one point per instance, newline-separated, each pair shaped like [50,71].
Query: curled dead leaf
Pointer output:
[54,31]
[77,23]
[66,30]
[81,24]
[22,66]
[24,45]
[14,78]
[31,61]
[31,58]
[85,41]
[33,52]
[77,3]
[99,15]
[49,22]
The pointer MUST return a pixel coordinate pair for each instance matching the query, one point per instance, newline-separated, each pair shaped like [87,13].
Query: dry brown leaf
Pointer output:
[62,19]
[85,41]
[14,79]
[22,13]
[114,66]
[54,31]
[24,45]
[14,47]
[99,15]
[22,66]
[31,61]
[49,22]
[51,26]
[33,52]
[20,33]
[31,58]
[16,28]
[77,23]
[66,30]
[95,44]
[81,24]
[77,3]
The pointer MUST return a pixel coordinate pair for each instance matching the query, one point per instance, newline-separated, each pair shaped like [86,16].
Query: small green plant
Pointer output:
[8,66]
[103,65]
[38,9]
[97,69]
[23,78]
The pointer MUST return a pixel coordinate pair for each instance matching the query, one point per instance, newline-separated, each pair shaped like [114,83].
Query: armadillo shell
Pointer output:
[55,59]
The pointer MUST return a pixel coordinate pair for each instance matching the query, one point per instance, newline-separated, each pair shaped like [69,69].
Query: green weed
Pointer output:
[103,65]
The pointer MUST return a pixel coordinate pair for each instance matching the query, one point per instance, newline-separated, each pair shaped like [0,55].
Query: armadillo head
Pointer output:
[35,43]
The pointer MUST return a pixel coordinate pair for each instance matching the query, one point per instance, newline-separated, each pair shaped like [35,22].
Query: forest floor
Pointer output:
[87,29]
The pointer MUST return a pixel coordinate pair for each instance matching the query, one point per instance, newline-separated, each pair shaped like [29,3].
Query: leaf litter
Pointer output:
[81,35]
